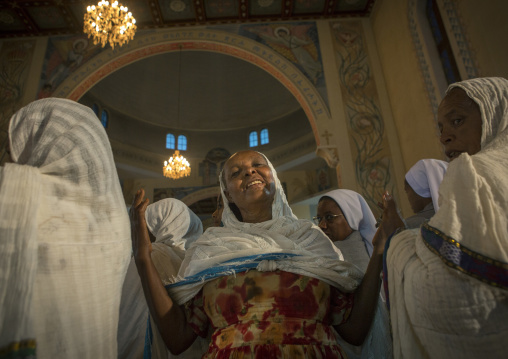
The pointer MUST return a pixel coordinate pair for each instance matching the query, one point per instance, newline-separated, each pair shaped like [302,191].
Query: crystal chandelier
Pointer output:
[109,22]
[177,166]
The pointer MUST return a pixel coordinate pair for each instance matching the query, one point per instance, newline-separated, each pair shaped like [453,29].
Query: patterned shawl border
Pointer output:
[22,349]
[461,258]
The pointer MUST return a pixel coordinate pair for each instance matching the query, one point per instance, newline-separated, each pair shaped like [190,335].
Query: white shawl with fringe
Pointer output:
[64,234]
[440,307]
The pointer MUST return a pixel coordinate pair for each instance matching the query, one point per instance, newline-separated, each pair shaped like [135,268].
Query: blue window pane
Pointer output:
[104,118]
[170,141]
[434,25]
[447,67]
[264,136]
[253,139]
[182,143]
[95,109]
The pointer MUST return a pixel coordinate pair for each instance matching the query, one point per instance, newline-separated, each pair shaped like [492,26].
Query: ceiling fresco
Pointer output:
[58,17]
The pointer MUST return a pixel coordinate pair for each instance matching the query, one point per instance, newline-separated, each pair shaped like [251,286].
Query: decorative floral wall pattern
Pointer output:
[365,123]
[15,60]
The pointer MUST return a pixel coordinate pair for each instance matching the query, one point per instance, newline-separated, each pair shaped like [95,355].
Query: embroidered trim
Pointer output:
[21,349]
[463,259]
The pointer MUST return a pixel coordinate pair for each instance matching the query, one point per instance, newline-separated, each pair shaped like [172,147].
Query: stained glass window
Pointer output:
[105,118]
[264,136]
[253,139]
[182,143]
[170,141]
[443,44]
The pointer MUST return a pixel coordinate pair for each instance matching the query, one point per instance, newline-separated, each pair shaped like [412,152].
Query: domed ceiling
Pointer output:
[196,90]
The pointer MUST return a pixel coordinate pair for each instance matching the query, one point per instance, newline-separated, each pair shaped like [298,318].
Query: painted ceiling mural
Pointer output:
[59,17]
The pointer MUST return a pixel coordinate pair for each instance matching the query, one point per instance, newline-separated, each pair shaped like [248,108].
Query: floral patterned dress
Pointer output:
[270,315]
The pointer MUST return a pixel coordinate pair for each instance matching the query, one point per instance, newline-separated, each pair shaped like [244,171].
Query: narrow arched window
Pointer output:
[105,118]
[253,139]
[170,141]
[443,45]
[95,109]
[182,143]
[264,136]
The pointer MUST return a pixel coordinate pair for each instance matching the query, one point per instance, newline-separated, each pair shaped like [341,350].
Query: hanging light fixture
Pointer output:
[177,166]
[111,23]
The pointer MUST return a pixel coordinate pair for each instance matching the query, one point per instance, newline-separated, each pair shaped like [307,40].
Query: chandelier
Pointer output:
[177,166]
[109,22]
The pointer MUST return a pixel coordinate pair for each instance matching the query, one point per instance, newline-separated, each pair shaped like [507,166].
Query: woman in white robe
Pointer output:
[64,235]
[448,281]
[421,185]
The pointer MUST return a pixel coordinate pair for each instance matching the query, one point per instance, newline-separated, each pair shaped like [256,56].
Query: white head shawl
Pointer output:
[284,233]
[474,191]
[357,213]
[175,228]
[65,234]
[173,223]
[425,177]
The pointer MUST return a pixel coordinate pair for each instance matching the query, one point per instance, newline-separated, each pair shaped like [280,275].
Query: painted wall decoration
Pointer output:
[15,59]
[63,56]
[211,166]
[296,41]
[364,119]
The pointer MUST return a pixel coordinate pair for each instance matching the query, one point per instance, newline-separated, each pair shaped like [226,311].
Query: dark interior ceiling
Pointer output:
[58,17]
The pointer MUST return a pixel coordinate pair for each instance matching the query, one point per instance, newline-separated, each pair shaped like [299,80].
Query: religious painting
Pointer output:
[211,166]
[298,42]
[63,56]
[15,60]
[364,118]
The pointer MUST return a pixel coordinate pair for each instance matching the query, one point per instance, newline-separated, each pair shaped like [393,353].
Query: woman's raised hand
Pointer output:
[141,245]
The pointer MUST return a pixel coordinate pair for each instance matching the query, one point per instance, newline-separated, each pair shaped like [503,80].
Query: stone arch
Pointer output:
[163,41]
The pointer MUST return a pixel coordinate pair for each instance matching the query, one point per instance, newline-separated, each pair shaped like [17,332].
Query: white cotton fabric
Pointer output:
[358,214]
[284,233]
[64,230]
[175,227]
[439,312]
[425,177]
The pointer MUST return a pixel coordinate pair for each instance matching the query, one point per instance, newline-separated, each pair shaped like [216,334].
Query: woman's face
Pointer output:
[416,201]
[460,124]
[336,228]
[217,215]
[249,181]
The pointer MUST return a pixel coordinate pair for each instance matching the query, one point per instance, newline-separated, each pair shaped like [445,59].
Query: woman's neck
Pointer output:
[255,215]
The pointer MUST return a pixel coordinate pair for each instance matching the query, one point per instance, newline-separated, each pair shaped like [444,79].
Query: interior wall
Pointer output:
[486,30]
[411,108]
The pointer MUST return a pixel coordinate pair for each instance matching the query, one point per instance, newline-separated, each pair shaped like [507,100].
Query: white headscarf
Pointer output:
[284,233]
[474,192]
[173,223]
[425,177]
[175,227]
[357,212]
[65,234]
